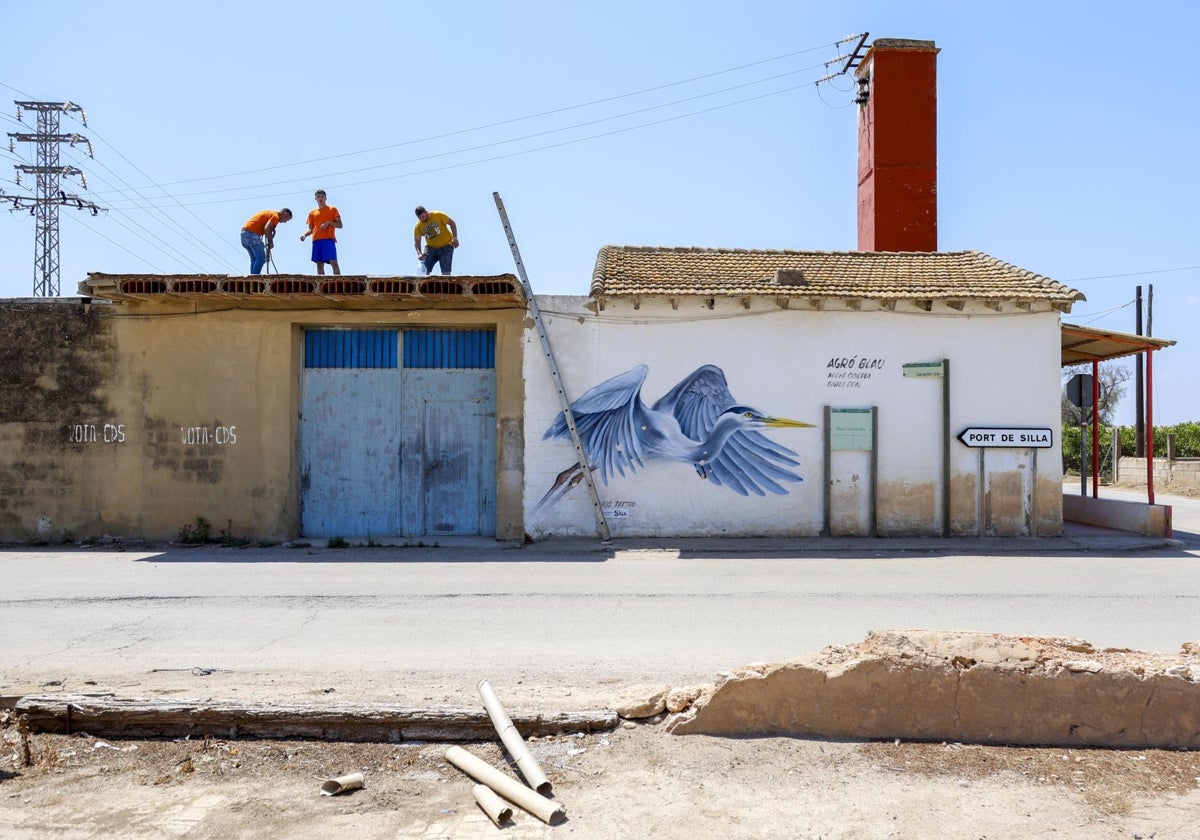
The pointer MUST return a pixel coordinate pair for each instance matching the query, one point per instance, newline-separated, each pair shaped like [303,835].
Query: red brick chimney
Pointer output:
[897,146]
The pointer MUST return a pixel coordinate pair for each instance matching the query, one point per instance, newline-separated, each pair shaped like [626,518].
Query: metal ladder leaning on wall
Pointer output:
[601,523]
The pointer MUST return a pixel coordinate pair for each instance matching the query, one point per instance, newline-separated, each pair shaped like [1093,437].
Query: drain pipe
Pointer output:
[546,810]
[513,742]
[496,808]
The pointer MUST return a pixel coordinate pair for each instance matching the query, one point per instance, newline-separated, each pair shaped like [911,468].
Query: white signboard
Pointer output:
[979,436]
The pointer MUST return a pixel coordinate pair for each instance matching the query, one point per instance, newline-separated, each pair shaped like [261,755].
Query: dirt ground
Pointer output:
[633,782]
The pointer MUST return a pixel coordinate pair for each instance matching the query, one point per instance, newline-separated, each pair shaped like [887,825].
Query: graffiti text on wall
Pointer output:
[619,510]
[851,371]
[203,435]
[97,433]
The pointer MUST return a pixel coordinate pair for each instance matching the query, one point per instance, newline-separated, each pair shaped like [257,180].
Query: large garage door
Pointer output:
[398,440]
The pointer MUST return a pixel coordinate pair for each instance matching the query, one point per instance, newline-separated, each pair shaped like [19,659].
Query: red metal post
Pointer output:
[1095,429]
[1149,425]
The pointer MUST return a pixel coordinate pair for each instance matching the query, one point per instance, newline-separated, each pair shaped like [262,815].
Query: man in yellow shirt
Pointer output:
[322,222]
[441,238]
[262,224]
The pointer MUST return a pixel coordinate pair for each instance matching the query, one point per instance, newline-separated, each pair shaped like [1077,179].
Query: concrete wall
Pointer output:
[1138,517]
[1177,474]
[134,420]
[794,363]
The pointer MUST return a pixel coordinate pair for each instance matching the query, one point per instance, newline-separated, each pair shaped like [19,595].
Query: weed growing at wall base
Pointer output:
[196,534]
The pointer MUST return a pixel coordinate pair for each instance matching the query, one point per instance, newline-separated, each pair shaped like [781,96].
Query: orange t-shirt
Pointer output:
[317,216]
[259,221]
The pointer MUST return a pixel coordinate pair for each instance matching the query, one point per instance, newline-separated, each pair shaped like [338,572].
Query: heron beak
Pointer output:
[784,422]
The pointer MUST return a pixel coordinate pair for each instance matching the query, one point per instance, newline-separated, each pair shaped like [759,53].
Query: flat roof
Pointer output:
[1085,344]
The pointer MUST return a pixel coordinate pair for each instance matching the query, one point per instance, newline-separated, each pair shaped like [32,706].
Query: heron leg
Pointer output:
[566,479]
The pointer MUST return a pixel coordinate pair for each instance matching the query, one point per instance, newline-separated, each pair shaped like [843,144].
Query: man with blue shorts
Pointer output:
[322,222]
[259,227]
[441,238]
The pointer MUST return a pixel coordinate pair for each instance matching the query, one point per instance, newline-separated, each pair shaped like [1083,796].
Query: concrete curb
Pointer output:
[116,717]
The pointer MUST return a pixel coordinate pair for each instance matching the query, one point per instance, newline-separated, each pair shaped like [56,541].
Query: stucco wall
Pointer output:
[794,363]
[134,420]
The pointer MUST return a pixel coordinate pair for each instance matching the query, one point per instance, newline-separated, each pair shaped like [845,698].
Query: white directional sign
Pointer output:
[978,436]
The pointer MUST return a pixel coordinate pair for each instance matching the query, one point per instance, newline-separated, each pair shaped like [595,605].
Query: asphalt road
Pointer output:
[631,615]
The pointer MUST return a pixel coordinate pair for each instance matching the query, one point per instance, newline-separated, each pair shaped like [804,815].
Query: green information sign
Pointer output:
[850,428]
[923,369]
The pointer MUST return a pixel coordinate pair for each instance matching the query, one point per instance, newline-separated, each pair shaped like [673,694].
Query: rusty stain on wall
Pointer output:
[907,509]
[964,504]
[848,506]
[1049,505]
[1006,503]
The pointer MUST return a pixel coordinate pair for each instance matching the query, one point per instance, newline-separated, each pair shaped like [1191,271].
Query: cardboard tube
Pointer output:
[351,781]
[544,809]
[496,808]
[513,742]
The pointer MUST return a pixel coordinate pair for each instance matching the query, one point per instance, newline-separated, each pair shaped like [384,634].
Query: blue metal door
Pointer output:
[350,434]
[449,418]
[398,442]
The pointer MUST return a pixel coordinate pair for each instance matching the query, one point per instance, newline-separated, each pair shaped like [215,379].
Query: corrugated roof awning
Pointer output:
[1085,344]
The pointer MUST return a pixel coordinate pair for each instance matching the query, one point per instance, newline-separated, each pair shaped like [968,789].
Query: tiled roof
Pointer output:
[629,271]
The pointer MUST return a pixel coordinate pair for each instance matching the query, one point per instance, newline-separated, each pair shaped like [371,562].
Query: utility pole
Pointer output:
[48,197]
[1139,404]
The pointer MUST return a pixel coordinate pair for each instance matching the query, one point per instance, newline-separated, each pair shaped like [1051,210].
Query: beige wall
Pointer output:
[134,419]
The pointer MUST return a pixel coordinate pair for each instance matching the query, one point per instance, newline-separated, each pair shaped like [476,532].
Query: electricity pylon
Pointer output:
[48,196]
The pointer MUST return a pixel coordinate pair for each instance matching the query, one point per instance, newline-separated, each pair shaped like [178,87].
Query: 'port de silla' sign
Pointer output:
[977,436]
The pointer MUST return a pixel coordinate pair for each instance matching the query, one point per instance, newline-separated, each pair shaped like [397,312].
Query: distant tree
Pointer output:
[1112,388]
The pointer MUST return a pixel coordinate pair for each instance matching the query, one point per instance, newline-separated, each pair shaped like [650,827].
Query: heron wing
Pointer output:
[697,401]
[749,462]
[607,418]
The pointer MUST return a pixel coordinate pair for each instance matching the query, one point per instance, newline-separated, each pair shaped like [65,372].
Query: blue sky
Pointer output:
[1067,137]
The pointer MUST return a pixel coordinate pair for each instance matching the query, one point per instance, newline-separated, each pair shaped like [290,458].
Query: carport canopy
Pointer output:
[1085,344]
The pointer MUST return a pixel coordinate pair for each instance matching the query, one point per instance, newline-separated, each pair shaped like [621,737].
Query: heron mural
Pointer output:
[697,422]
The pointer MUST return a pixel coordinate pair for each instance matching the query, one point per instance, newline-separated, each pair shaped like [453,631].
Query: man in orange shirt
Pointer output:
[322,222]
[262,224]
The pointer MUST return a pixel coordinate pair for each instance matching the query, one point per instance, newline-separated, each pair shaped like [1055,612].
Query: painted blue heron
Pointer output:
[698,422]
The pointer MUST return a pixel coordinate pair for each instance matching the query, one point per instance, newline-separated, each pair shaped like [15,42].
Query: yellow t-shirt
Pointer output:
[435,229]
[317,216]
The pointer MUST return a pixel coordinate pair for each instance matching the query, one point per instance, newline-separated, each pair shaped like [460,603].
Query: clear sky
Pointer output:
[1068,137]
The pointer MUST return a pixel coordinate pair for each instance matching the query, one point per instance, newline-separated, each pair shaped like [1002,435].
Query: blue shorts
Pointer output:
[324,250]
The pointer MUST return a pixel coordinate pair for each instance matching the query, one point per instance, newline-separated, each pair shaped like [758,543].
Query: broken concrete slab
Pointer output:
[637,702]
[968,687]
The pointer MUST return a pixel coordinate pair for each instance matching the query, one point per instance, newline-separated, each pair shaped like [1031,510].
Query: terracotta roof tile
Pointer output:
[626,271]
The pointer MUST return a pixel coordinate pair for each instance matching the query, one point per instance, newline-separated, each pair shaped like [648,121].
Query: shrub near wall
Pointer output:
[1187,444]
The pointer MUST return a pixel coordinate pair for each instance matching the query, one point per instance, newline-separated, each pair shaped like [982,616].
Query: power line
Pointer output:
[169,223]
[1134,273]
[118,244]
[526,117]
[164,192]
[532,136]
